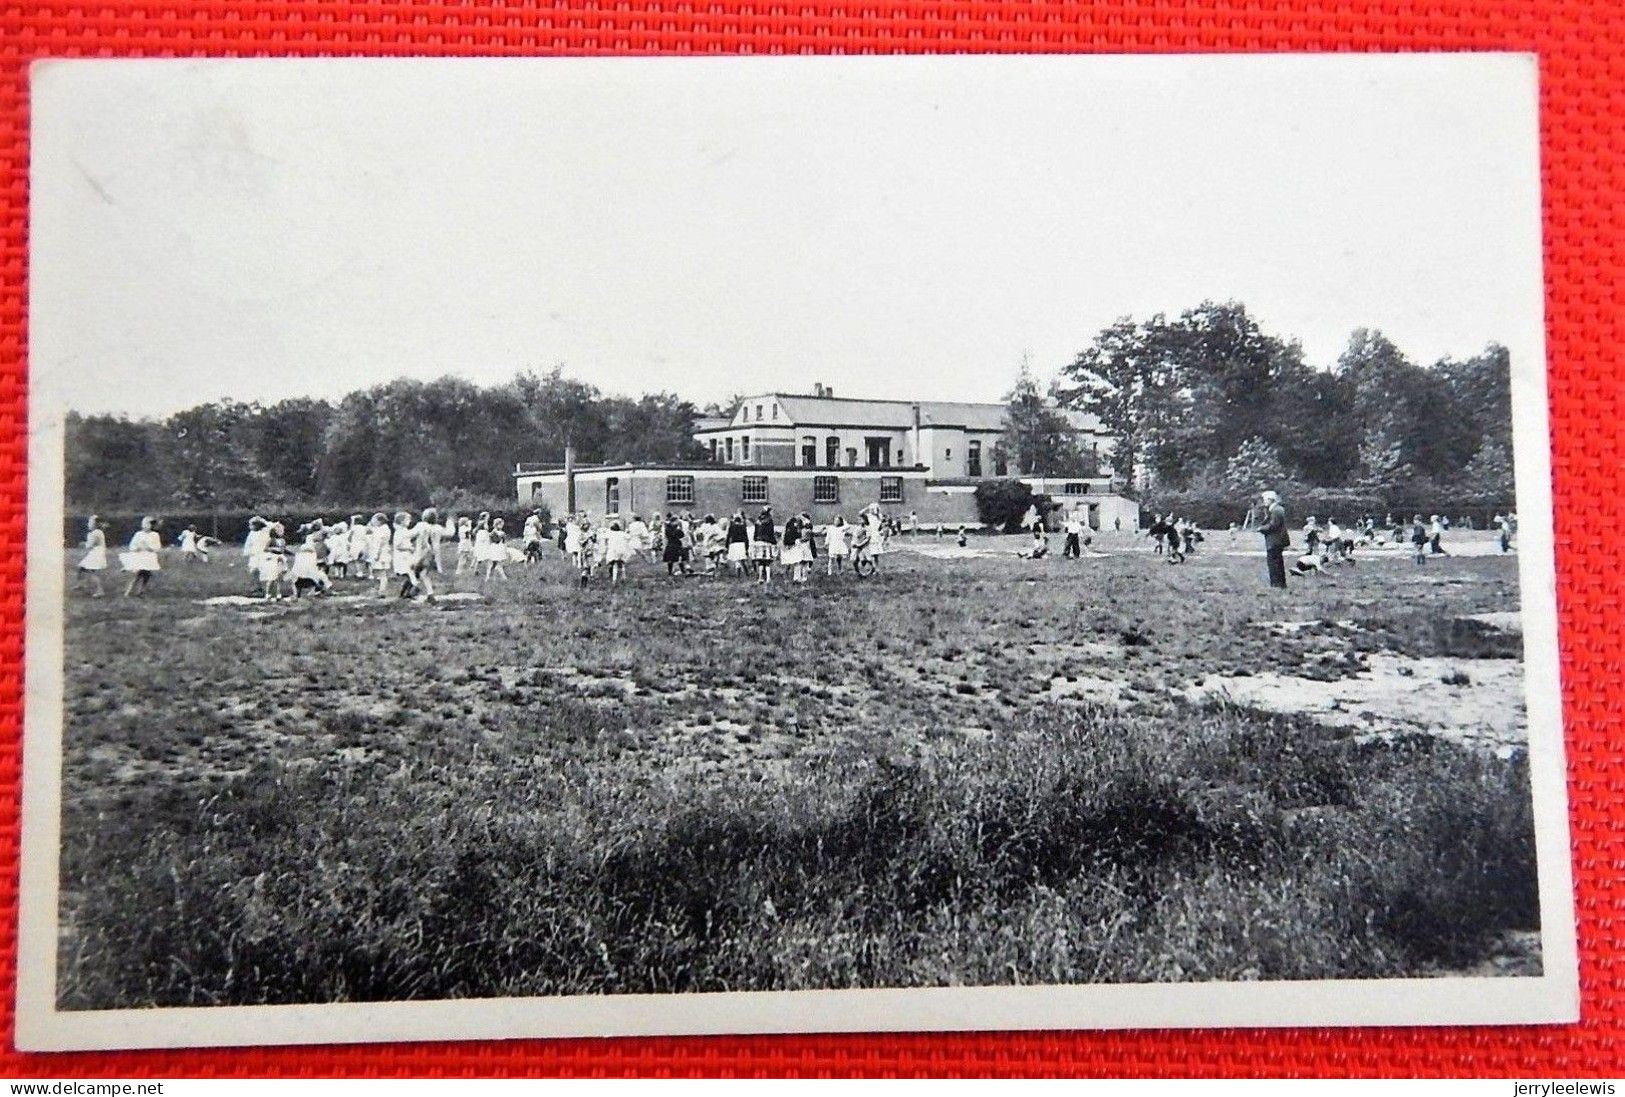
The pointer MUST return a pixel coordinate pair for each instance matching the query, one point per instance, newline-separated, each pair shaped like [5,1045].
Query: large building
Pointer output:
[950,440]
[827,455]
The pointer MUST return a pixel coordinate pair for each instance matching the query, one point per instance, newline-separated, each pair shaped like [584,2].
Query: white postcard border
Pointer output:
[1552,997]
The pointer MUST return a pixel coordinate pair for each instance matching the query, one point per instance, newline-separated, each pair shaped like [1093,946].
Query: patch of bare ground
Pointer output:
[1470,701]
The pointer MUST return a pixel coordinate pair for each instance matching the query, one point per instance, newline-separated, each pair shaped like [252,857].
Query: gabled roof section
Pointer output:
[889,414]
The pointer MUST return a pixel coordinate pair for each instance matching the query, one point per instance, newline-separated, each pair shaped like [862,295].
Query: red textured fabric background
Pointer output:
[1582,59]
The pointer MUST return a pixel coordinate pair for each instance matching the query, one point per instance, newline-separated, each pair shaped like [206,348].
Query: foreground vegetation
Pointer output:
[705,786]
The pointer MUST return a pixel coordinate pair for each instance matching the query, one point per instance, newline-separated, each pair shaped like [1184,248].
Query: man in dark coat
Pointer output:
[1276,538]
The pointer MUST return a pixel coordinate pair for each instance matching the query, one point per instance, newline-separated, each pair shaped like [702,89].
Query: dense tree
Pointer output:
[211,457]
[1256,465]
[404,441]
[115,463]
[1039,439]
[1489,473]
[287,439]
[1186,395]
[1123,379]
[1203,400]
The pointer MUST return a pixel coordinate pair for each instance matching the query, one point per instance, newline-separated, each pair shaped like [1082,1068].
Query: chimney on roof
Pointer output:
[818,389]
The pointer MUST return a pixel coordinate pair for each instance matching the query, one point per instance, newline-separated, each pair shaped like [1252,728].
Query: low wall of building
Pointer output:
[904,494]
[721,491]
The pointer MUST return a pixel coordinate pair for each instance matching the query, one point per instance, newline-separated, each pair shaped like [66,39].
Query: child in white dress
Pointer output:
[94,561]
[360,542]
[574,538]
[191,551]
[307,564]
[380,551]
[337,540]
[837,545]
[426,540]
[465,546]
[617,551]
[495,552]
[141,558]
[270,561]
[402,549]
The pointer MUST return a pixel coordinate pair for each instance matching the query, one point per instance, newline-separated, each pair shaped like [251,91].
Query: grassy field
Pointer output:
[963,771]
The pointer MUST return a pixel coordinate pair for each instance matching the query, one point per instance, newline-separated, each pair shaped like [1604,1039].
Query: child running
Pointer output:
[141,558]
[402,552]
[94,561]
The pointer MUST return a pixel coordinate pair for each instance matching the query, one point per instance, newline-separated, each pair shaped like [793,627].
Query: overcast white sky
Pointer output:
[893,227]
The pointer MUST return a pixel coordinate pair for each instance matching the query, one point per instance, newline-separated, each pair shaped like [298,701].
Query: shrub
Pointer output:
[1002,504]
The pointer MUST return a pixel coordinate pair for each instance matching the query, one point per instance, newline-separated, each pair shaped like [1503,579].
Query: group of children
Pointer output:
[409,550]
[1178,536]
[139,559]
[742,545]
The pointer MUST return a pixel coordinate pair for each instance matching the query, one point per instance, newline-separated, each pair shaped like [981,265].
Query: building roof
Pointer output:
[537,470]
[892,414]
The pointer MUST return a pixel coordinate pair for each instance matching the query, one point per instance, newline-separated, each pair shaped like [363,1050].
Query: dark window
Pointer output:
[744,450]
[826,489]
[809,452]
[832,452]
[754,489]
[851,457]
[891,489]
[679,489]
[879,455]
[973,460]
[1074,487]
[1001,464]
[612,495]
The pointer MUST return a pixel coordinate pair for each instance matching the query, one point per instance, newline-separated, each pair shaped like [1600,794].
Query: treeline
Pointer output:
[1207,403]
[447,441]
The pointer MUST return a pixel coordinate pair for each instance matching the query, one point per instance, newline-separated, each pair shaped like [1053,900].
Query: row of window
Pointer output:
[753,489]
[878,453]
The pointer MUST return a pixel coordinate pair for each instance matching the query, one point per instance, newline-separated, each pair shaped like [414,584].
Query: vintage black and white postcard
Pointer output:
[623,546]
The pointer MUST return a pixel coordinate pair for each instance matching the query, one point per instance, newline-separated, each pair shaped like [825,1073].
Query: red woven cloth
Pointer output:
[1582,59]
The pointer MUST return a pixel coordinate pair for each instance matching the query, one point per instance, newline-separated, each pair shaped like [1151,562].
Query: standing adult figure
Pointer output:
[1276,538]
